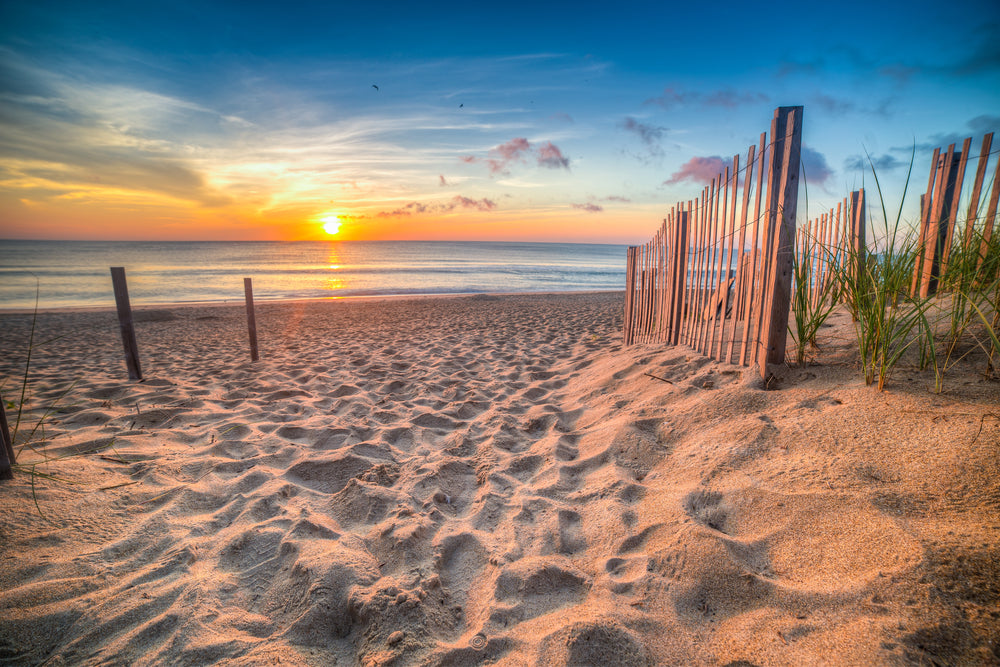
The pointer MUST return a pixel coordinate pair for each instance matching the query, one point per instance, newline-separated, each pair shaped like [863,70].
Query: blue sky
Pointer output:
[560,121]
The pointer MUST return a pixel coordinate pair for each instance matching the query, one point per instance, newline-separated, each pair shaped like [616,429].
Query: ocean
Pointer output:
[76,273]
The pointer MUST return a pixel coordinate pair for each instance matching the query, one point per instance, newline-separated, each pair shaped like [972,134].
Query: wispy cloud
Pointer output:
[456,202]
[728,98]
[589,208]
[842,107]
[883,162]
[650,135]
[698,170]
[976,128]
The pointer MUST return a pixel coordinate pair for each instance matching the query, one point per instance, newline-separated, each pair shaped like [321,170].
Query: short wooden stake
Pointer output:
[125,323]
[7,458]
[251,320]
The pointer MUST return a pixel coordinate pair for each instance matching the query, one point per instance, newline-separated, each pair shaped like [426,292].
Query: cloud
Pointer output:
[648,134]
[617,198]
[833,105]
[70,139]
[983,124]
[726,98]
[456,202]
[880,162]
[563,117]
[731,99]
[698,170]
[841,107]
[985,56]
[550,156]
[589,208]
[443,182]
[814,164]
[670,98]
[501,157]
[478,204]
[899,72]
[977,127]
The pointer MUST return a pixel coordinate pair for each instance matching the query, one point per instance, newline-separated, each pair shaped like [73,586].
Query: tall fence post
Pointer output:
[125,323]
[251,320]
[859,232]
[7,457]
[784,193]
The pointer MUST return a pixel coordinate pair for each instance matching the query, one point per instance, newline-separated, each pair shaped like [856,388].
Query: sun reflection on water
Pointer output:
[334,283]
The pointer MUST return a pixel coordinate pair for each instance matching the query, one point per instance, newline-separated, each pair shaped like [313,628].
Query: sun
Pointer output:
[331,224]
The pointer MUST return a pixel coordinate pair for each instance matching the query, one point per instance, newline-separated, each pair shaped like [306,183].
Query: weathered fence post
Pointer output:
[783,192]
[859,232]
[251,320]
[125,322]
[7,457]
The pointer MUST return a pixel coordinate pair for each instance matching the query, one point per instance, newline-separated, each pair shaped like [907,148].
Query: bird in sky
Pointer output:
[374,86]
[461,105]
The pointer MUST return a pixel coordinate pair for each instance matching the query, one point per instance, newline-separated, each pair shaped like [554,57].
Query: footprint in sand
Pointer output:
[603,642]
[531,587]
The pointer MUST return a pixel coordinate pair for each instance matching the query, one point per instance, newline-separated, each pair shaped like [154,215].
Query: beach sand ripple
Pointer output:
[462,481]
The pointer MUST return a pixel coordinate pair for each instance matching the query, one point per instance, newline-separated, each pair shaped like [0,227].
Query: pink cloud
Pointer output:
[443,181]
[590,208]
[550,156]
[457,201]
[698,169]
[501,157]
[483,204]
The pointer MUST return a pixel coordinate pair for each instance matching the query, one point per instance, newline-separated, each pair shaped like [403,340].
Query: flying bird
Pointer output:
[460,106]
[374,86]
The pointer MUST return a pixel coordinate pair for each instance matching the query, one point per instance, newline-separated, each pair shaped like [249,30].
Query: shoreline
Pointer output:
[259,301]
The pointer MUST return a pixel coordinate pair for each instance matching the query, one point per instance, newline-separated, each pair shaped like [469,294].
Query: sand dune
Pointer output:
[488,480]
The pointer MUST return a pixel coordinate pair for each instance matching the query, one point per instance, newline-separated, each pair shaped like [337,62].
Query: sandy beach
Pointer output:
[486,480]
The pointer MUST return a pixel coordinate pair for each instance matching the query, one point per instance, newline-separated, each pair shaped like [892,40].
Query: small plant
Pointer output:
[875,282]
[969,292]
[813,296]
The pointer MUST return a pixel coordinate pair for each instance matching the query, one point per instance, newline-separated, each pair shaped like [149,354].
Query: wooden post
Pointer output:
[750,302]
[7,457]
[784,205]
[933,239]
[970,217]
[680,273]
[629,291]
[955,192]
[926,207]
[729,263]
[991,214]
[739,292]
[859,232]
[251,320]
[125,323]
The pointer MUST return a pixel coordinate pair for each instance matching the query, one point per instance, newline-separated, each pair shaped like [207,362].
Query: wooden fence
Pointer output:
[939,213]
[682,287]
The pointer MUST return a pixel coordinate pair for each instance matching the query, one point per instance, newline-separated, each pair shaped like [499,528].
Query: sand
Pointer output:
[487,480]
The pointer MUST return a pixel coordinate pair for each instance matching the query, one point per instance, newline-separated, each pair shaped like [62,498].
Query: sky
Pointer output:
[529,121]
